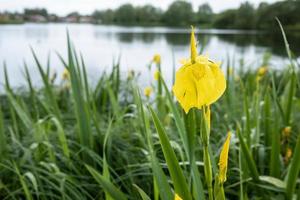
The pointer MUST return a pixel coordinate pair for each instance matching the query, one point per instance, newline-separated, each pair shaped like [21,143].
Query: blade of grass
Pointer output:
[248,157]
[179,181]
[82,113]
[23,183]
[61,137]
[48,89]
[188,141]
[275,145]
[293,172]
[109,187]
[160,182]
[142,193]
[3,141]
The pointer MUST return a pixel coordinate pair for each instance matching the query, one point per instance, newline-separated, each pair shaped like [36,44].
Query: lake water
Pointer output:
[99,44]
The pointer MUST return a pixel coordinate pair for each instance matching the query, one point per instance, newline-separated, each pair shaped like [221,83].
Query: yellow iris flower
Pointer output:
[156,59]
[223,162]
[148,91]
[199,81]
[177,197]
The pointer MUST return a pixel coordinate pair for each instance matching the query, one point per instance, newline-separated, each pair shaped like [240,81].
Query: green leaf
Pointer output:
[179,181]
[178,121]
[218,190]
[249,159]
[109,187]
[3,141]
[23,183]
[274,181]
[293,172]
[23,115]
[142,193]
[61,137]
[32,179]
[81,106]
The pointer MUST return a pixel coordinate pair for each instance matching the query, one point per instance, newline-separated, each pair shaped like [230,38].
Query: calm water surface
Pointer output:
[99,45]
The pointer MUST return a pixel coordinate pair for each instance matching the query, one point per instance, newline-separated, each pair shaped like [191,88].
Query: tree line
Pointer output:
[182,13]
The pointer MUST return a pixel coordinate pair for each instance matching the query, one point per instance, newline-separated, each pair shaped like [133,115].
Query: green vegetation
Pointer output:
[182,13]
[179,13]
[74,141]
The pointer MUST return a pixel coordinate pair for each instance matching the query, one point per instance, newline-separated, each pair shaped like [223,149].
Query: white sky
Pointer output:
[63,7]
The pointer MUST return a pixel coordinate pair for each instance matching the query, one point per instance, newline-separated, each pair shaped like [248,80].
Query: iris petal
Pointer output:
[199,81]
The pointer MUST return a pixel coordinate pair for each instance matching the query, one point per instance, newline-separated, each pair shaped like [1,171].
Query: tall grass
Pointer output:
[74,141]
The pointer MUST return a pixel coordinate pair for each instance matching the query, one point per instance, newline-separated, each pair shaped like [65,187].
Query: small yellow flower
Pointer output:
[177,197]
[199,81]
[148,91]
[288,154]
[286,132]
[65,74]
[223,162]
[156,75]
[156,59]
[261,72]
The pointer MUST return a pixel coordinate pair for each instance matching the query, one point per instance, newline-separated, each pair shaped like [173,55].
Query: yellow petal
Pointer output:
[156,75]
[148,91]
[286,132]
[65,74]
[198,84]
[193,46]
[199,81]
[262,70]
[223,162]
[176,197]
[185,88]
[156,59]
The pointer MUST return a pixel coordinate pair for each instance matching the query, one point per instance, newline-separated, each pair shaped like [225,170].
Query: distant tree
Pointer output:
[286,11]
[225,19]
[106,16]
[245,16]
[179,13]
[205,14]
[29,12]
[148,14]
[125,14]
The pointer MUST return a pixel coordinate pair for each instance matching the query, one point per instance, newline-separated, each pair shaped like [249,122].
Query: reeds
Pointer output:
[76,141]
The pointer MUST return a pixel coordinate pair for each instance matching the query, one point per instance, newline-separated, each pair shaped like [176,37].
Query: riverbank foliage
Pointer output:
[69,140]
[178,13]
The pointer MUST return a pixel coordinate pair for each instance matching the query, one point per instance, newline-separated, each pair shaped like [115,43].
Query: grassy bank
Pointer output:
[117,141]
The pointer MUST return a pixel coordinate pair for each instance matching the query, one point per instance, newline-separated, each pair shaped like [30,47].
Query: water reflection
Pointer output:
[136,45]
[39,33]
[274,42]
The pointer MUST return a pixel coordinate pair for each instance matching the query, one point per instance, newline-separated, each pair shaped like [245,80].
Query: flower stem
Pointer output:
[208,171]
[206,156]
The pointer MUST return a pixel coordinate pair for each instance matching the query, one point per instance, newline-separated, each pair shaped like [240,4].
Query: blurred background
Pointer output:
[235,31]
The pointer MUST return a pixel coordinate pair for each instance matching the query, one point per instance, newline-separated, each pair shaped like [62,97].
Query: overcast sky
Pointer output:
[63,7]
